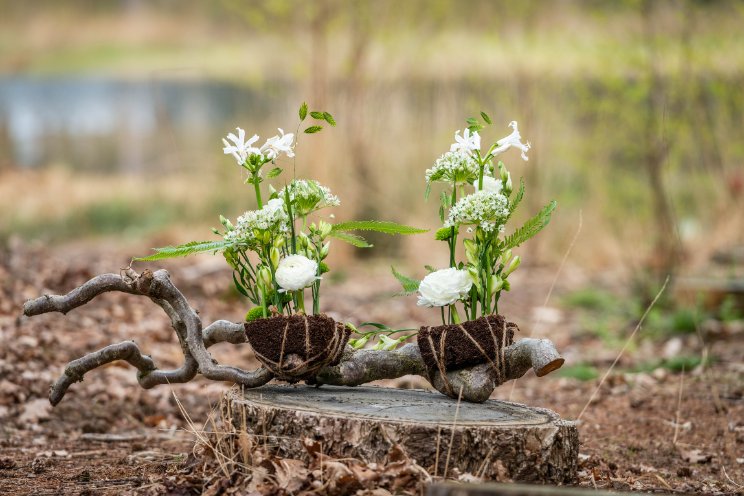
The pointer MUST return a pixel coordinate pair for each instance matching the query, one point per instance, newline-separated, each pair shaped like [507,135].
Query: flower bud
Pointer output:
[225,222]
[506,256]
[496,283]
[386,343]
[303,239]
[359,343]
[324,251]
[516,261]
[275,256]
[325,229]
[264,277]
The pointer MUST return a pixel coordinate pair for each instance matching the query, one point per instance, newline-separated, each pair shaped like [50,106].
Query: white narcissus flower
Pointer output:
[282,143]
[240,149]
[467,143]
[444,287]
[490,184]
[515,140]
[296,272]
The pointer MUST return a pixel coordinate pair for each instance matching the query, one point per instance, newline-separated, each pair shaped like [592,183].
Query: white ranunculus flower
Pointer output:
[296,272]
[515,140]
[444,287]
[490,184]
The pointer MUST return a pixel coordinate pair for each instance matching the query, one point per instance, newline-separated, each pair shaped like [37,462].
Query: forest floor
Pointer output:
[655,430]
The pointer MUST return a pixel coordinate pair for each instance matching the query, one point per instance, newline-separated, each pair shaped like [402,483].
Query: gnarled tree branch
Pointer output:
[355,368]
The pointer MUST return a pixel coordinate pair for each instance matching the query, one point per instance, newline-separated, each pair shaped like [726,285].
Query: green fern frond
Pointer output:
[377,226]
[530,228]
[186,249]
[352,239]
[410,285]
[518,198]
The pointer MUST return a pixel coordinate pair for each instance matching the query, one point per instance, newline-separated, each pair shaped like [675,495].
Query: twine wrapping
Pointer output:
[450,347]
[297,347]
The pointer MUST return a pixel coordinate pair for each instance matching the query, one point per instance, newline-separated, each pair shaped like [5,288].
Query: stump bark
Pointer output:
[495,439]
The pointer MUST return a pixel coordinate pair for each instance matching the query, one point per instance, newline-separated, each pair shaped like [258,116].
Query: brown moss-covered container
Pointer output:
[297,347]
[454,346]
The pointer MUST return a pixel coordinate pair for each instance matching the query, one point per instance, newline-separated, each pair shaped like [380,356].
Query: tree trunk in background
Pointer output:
[666,252]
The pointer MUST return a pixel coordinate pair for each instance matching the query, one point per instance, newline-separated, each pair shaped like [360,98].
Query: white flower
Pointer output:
[467,143]
[444,287]
[490,184]
[487,209]
[271,217]
[240,149]
[515,140]
[281,143]
[453,167]
[308,195]
[296,272]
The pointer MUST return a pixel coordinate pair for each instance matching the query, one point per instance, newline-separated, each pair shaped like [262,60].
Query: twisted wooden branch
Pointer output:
[356,366]
[159,288]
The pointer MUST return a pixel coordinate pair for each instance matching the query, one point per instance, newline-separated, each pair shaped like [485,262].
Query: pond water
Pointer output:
[106,125]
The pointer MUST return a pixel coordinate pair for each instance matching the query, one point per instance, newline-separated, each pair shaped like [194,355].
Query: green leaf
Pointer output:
[329,118]
[313,129]
[518,198]
[274,172]
[529,229]
[240,287]
[317,115]
[324,268]
[475,128]
[409,285]
[427,192]
[443,234]
[377,226]
[352,239]
[472,121]
[486,118]
[303,111]
[190,248]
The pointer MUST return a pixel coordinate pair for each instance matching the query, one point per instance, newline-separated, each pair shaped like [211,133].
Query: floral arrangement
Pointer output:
[278,250]
[475,206]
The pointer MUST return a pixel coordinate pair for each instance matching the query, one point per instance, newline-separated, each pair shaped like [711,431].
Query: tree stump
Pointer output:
[495,439]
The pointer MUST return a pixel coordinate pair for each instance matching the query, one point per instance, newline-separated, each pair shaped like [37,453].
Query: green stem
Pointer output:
[454,316]
[258,190]
[301,299]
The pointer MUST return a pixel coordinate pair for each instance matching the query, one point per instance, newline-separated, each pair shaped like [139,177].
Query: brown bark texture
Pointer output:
[492,440]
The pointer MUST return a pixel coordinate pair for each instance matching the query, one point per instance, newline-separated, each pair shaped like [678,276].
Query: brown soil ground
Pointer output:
[655,432]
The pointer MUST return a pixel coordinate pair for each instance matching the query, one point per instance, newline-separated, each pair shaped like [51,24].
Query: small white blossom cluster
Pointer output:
[487,209]
[454,167]
[271,217]
[308,195]
[444,287]
[241,149]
